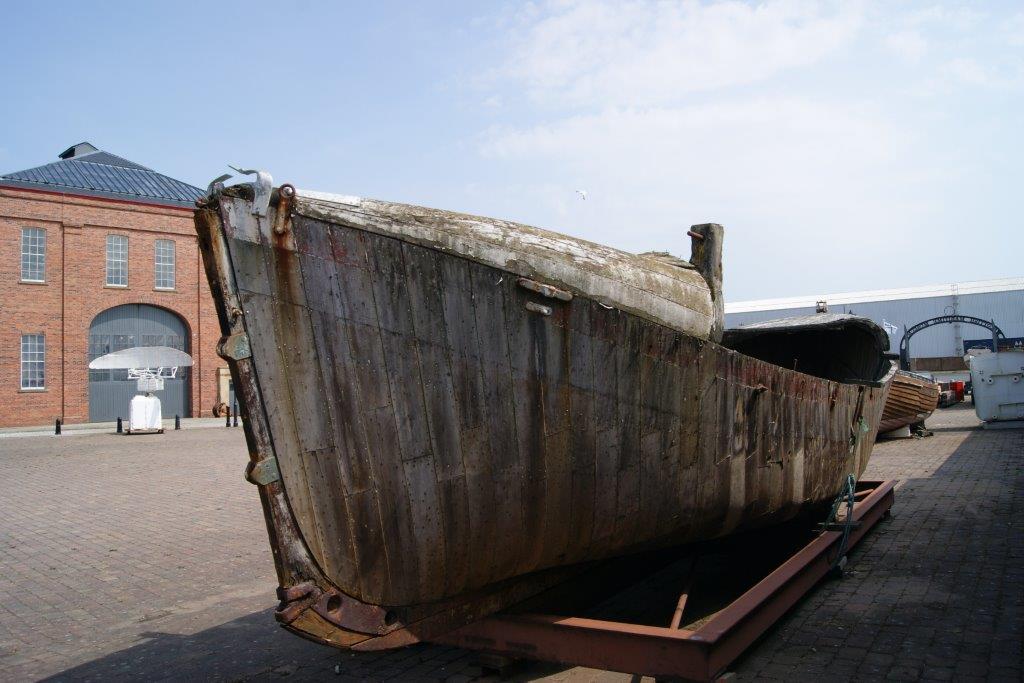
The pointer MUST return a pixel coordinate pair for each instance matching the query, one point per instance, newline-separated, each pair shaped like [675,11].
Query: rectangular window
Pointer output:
[99,345]
[117,260]
[164,264]
[33,361]
[120,342]
[33,255]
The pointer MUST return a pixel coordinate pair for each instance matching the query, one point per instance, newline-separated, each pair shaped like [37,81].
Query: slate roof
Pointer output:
[102,174]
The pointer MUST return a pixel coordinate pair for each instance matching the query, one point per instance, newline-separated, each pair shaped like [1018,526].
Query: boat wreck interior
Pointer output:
[836,346]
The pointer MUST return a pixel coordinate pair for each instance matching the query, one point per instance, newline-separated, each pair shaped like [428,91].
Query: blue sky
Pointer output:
[844,146]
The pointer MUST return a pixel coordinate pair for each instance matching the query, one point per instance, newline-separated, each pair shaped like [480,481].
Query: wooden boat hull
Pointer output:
[434,439]
[911,399]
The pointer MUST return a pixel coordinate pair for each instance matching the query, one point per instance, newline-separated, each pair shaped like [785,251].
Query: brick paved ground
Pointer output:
[146,557]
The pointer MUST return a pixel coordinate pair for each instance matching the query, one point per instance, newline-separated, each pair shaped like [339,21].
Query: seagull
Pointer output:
[582,194]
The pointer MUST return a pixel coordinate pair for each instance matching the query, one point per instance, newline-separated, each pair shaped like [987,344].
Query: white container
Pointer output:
[144,415]
[998,384]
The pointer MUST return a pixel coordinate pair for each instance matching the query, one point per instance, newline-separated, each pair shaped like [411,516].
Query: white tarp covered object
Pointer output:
[144,414]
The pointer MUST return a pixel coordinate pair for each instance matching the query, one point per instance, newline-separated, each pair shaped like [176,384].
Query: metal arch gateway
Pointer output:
[990,325]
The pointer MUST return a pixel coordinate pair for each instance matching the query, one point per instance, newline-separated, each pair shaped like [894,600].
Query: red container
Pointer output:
[958,388]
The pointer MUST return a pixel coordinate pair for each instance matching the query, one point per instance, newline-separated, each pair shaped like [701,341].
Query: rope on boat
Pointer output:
[847,496]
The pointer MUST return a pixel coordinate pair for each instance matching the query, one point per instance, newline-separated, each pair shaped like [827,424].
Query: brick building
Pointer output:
[98,254]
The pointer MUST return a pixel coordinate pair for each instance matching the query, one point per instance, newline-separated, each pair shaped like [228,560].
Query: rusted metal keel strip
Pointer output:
[658,651]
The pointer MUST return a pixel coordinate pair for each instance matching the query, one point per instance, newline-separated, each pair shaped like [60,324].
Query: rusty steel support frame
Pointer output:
[699,655]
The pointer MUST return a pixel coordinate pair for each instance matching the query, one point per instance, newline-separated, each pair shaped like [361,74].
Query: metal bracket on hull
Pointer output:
[538,308]
[234,347]
[262,472]
[262,187]
[334,607]
[544,290]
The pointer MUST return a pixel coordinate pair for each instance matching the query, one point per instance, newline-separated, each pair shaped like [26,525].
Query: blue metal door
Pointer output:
[124,327]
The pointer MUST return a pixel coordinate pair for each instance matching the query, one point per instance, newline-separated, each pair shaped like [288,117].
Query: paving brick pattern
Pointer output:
[935,594]
[145,557]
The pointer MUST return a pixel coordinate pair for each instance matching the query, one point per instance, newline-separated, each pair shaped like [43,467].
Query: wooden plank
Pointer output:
[304,380]
[459,554]
[425,287]
[355,280]
[712,485]
[654,468]
[401,355]
[249,263]
[608,431]
[428,526]
[270,371]
[343,402]
[394,313]
[663,386]
[302,366]
[359,335]
[459,304]
[627,370]
[396,510]
[555,384]
[583,434]
[353,455]
[312,238]
[496,505]
[527,347]
[334,523]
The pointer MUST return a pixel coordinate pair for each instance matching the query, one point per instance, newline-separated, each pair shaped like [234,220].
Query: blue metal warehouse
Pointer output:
[936,348]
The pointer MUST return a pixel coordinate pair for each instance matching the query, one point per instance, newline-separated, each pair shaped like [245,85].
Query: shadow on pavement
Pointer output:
[252,646]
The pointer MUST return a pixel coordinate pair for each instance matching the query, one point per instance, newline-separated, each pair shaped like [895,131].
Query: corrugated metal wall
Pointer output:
[1005,308]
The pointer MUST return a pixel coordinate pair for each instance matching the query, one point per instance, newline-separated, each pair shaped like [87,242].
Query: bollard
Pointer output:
[177,422]
[120,429]
[56,426]
[235,421]
[227,417]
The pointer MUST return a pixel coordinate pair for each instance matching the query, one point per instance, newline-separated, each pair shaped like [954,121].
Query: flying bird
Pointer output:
[582,194]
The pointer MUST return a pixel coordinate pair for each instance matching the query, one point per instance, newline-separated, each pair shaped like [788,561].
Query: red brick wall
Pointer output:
[75,292]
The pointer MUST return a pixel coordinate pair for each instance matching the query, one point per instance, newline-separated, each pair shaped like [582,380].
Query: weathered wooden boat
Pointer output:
[911,399]
[447,414]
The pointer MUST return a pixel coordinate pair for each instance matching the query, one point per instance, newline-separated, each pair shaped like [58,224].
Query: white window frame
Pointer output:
[120,259]
[160,263]
[33,246]
[33,357]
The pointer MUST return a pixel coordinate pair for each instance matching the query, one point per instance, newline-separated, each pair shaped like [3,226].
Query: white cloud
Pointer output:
[789,123]
[909,44]
[643,53]
[1008,73]
[763,157]
[961,18]
[1014,29]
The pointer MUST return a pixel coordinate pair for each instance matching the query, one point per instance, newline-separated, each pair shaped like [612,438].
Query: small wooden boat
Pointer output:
[447,414]
[912,398]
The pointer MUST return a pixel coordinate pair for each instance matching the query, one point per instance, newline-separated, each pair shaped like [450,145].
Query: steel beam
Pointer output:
[699,655]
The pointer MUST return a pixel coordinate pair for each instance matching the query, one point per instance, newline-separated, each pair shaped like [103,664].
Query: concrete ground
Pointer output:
[145,557]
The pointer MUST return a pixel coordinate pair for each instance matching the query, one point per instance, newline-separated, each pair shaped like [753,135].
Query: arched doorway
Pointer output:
[124,327]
